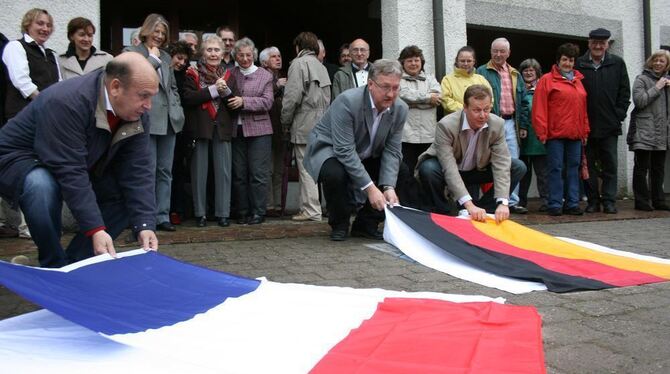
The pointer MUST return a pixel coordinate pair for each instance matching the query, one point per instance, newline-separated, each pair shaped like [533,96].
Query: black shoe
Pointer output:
[339,234]
[243,220]
[543,208]
[166,226]
[518,209]
[255,220]
[643,206]
[609,209]
[661,206]
[574,211]
[223,221]
[367,232]
[593,208]
[201,221]
[555,212]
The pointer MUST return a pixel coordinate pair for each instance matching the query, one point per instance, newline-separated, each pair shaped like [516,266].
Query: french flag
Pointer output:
[151,313]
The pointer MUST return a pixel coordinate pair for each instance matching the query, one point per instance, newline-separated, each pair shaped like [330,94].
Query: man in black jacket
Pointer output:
[606,82]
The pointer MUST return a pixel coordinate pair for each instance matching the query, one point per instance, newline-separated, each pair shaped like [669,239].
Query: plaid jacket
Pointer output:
[256,90]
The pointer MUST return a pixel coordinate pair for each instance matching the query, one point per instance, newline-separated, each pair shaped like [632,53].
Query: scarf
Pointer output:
[205,76]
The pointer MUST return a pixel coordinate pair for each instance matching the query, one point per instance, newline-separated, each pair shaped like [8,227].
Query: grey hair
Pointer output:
[264,56]
[531,63]
[503,40]
[188,33]
[245,42]
[385,66]
[211,39]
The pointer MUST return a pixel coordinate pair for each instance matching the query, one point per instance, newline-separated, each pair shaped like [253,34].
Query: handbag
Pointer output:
[584,166]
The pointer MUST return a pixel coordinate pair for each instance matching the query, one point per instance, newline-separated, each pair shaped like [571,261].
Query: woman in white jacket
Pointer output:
[81,56]
[422,93]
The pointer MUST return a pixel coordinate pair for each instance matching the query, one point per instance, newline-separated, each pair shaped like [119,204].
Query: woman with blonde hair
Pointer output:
[648,133]
[167,115]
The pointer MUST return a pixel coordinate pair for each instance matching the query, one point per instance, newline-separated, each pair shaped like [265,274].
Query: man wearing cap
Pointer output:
[608,88]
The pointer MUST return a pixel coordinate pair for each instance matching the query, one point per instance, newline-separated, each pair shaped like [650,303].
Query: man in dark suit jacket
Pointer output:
[84,141]
[354,151]
[470,150]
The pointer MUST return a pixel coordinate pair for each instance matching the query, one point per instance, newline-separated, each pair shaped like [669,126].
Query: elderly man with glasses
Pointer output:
[355,73]
[355,152]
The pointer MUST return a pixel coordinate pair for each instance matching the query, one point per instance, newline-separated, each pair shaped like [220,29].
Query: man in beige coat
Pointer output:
[470,150]
[306,98]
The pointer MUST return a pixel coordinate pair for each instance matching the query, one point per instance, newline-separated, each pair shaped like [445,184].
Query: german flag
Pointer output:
[510,250]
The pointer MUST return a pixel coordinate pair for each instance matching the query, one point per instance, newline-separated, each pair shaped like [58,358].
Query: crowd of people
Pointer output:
[225,124]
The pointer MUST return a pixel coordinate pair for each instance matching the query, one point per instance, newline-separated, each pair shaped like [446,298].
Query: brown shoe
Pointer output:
[8,232]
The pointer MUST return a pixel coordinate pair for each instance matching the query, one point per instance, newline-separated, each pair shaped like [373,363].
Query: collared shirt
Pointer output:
[596,65]
[360,76]
[16,61]
[469,160]
[375,126]
[250,70]
[506,90]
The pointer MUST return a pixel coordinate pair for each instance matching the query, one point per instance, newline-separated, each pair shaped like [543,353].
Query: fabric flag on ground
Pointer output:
[112,314]
[514,258]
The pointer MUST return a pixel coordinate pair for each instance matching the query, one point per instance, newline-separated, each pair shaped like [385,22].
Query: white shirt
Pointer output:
[16,61]
[469,162]
[361,76]
[375,126]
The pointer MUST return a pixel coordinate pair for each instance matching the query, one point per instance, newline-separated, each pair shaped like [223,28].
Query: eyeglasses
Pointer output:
[386,89]
[358,50]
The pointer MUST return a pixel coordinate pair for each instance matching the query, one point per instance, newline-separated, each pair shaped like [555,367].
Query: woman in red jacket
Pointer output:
[561,123]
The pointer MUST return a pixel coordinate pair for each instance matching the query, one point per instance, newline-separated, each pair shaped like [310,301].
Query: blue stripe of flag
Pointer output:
[129,294]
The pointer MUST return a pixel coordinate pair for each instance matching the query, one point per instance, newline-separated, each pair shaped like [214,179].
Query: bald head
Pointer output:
[359,50]
[131,81]
[128,66]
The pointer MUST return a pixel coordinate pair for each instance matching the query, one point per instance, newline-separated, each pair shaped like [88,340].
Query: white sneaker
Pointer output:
[302,217]
[24,233]
[20,260]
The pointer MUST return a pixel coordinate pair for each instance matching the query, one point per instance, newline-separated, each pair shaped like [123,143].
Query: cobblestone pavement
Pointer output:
[624,330]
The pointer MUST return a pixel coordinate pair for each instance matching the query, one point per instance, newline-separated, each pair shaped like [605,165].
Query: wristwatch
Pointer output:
[386,188]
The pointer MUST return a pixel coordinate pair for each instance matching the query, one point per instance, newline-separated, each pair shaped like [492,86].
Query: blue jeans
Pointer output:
[513,147]
[562,152]
[41,203]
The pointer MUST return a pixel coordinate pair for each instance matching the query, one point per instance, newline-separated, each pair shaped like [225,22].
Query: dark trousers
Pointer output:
[340,198]
[41,204]
[652,164]
[433,183]
[604,152]
[411,153]
[251,173]
[539,163]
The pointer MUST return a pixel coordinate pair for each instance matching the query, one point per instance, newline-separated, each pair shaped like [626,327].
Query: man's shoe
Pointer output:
[166,226]
[223,221]
[201,221]
[555,212]
[367,232]
[574,211]
[643,206]
[255,220]
[302,217]
[543,208]
[339,234]
[609,209]
[243,220]
[661,206]
[593,208]
[518,209]
[8,232]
